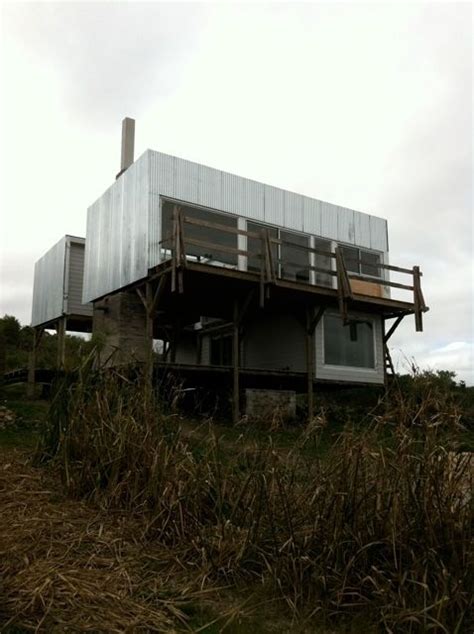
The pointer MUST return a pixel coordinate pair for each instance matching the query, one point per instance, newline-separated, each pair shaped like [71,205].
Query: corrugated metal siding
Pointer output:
[345,225]
[312,216]
[378,234]
[118,233]
[362,229]
[74,305]
[48,286]
[124,225]
[274,206]
[329,221]
[354,375]
[293,211]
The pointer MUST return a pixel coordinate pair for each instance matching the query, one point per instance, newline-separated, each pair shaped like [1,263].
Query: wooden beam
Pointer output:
[344,291]
[235,365]
[393,327]
[142,297]
[61,349]
[149,333]
[418,299]
[310,319]
[30,387]
[316,319]
[160,289]
[246,304]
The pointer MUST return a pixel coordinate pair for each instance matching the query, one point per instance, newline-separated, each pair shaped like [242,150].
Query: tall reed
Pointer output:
[380,526]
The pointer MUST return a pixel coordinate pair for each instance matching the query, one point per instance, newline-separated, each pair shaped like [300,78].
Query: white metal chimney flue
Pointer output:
[128,144]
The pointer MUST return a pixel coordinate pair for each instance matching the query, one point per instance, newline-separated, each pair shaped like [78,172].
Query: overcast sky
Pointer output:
[366,106]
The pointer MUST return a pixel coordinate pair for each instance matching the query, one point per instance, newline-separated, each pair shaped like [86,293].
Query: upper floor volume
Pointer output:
[223,216]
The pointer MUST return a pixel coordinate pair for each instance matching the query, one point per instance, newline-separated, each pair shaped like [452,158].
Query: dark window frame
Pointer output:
[359,268]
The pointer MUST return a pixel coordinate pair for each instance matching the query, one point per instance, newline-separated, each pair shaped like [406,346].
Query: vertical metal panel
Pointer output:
[345,225]
[293,211]
[209,187]
[329,221]
[162,174]
[274,205]
[378,233]
[117,233]
[74,305]
[48,285]
[362,229]
[187,176]
[311,216]
[242,196]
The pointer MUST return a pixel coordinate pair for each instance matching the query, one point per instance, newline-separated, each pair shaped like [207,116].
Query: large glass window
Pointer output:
[294,260]
[322,261]
[254,246]
[214,238]
[351,345]
[361,262]
[221,350]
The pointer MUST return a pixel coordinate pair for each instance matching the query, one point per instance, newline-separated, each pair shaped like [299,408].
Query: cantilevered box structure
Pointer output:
[240,281]
[241,278]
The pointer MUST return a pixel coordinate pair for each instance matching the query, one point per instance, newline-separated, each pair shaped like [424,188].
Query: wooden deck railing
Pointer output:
[272,269]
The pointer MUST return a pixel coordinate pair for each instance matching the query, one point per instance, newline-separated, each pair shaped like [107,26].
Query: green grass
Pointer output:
[30,417]
[22,439]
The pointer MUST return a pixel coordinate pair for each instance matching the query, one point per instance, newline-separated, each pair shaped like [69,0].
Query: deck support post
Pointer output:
[313,318]
[150,302]
[149,333]
[310,373]
[175,338]
[235,364]
[31,382]
[61,334]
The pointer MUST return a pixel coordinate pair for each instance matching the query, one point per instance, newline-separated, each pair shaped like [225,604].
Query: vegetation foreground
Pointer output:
[129,518]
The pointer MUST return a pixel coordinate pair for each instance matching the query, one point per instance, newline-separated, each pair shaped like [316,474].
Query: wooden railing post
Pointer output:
[235,364]
[418,299]
[344,291]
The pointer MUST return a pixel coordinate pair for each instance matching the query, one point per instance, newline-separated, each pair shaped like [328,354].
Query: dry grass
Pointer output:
[65,566]
[375,530]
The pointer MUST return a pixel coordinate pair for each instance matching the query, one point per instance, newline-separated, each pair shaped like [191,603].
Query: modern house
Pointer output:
[237,278]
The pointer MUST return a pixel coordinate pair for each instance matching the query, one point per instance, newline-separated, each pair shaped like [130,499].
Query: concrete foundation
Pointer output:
[269,405]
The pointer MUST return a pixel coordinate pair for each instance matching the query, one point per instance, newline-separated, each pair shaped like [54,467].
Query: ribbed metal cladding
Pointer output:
[58,281]
[118,233]
[124,225]
[48,286]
